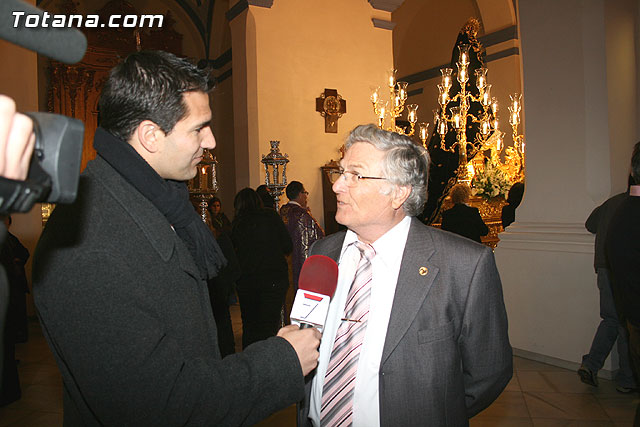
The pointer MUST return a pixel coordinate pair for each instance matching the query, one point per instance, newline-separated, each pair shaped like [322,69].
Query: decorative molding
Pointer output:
[387,5]
[506,34]
[491,39]
[502,54]
[381,23]
[548,237]
[221,60]
[239,7]
[224,76]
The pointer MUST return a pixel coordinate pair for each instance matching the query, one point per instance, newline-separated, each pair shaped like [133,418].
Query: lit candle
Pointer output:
[444,94]
[391,76]
[485,127]
[494,105]
[424,131]
[446,77]
[442,127]
[515,102]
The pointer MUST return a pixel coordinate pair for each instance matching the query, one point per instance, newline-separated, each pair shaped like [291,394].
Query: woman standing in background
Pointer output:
[261,241]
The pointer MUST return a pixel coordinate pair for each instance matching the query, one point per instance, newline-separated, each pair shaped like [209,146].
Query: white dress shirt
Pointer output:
[385,268]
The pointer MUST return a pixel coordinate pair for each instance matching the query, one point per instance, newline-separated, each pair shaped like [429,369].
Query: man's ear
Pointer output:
[149,136]
[400,195]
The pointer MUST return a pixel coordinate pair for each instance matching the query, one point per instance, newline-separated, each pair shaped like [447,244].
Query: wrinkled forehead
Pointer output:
[362,155]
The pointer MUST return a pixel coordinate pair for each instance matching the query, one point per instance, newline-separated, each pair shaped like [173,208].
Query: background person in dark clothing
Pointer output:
[13,256]
[219,220]
[302,226]
[622,246]
[261,241]
[266,197]
[462,219]
[610,329]
[514,197]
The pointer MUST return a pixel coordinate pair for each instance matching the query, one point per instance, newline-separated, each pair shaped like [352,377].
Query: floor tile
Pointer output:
[40,419]
[500,422]
[566,406]
[560,381]
[520,364]
[542,422]
[619,407]
[509,404]
[514,384]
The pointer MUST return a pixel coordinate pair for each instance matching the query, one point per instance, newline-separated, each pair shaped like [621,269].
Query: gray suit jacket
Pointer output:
[446,355]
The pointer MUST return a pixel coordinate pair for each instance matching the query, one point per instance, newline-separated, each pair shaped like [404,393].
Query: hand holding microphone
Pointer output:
[317,284]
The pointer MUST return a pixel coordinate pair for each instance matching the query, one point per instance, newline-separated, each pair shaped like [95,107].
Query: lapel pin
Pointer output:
[423,271]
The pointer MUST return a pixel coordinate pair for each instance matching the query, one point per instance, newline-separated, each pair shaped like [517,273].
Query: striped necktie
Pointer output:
[339,382]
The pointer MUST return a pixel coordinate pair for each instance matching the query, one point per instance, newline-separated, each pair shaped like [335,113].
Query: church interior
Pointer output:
[305,73]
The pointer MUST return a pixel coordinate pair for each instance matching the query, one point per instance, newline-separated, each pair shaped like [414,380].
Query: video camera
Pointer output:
[55,163]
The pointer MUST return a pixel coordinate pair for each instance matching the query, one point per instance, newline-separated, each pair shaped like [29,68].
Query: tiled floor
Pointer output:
[538,395]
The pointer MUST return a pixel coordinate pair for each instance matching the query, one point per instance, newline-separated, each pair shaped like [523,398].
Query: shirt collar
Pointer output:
[387,245]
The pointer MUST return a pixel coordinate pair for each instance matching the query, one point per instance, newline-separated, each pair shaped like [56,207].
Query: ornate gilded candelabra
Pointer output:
[275,178]
[514,156]
[459,115]
[393,108]
[488,137]
[205,184]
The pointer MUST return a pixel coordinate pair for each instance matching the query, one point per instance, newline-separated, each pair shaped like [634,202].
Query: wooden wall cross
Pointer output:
[331,106]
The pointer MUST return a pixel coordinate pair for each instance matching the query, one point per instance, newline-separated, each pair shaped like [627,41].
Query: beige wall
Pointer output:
[222,108]
[293,51]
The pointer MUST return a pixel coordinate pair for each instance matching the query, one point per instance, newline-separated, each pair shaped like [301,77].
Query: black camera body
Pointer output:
[55,165]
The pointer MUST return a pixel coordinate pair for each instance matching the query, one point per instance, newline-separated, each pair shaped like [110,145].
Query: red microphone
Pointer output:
[316,286]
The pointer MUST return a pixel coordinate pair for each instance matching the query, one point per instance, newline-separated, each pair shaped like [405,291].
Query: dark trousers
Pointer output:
[260,305]
[226,342]
[634,355]
[608,333]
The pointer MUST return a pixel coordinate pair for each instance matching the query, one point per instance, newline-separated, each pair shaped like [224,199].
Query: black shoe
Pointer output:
[587,376]
[625,390]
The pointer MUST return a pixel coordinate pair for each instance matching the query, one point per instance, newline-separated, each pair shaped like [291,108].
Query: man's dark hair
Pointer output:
[294,189]
[148,85]
[635,163]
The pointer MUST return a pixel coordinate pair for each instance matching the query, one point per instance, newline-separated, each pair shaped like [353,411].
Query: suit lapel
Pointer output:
[414,282]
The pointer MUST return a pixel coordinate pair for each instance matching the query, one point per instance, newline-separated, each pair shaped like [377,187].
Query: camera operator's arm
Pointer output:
[17,140]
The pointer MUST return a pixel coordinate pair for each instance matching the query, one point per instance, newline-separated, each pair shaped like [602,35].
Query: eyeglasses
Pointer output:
[351,178]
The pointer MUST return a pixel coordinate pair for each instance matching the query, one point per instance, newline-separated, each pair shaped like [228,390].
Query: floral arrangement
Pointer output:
[490,182]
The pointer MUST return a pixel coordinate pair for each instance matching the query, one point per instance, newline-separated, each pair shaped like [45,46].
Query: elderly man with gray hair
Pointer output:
[417,330]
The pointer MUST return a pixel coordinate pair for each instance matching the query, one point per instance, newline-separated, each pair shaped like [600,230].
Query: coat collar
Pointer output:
[147,217]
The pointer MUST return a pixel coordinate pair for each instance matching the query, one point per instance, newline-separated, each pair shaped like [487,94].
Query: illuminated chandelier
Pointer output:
[488,137]
[393,108]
